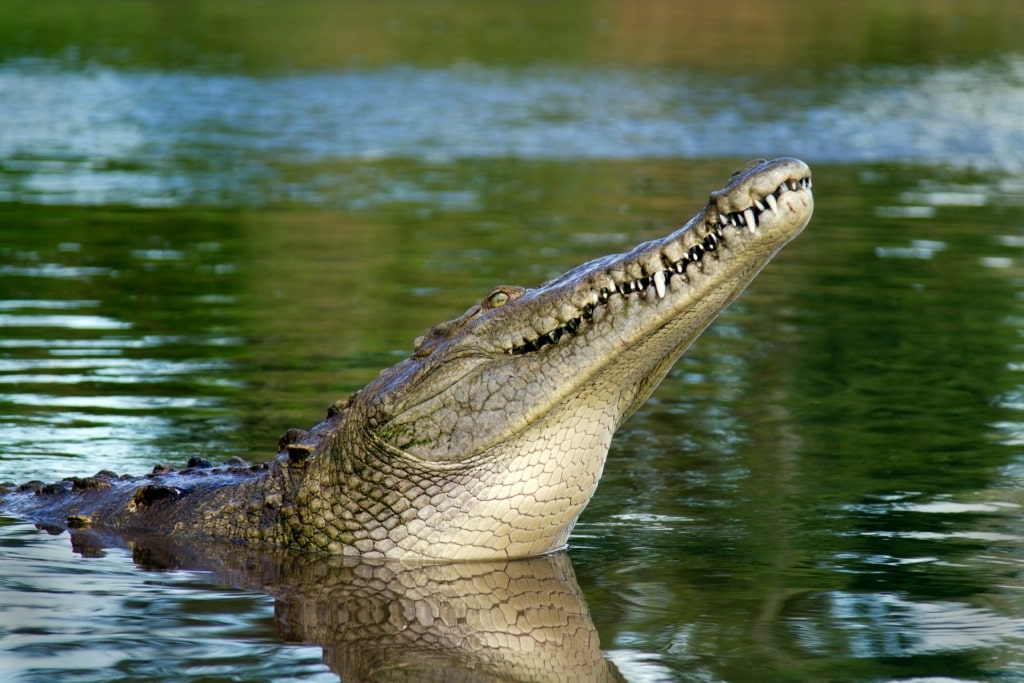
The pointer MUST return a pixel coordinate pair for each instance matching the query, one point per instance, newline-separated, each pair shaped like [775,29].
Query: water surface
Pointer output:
[201,247]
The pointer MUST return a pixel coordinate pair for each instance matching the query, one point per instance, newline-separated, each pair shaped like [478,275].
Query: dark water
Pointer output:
[215,222]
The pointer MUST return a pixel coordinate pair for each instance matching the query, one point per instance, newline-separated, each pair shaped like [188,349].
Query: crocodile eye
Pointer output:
[498,299]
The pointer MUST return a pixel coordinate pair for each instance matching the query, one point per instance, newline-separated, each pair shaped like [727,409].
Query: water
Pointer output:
[99,135]
[206,237]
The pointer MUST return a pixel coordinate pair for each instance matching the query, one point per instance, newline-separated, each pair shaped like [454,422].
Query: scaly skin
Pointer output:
[507,620]
[490,439]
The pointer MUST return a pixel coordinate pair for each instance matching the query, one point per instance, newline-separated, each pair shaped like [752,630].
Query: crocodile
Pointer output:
[488,441]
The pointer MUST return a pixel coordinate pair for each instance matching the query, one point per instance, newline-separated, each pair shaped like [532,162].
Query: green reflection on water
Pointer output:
[734,36]
[122,334]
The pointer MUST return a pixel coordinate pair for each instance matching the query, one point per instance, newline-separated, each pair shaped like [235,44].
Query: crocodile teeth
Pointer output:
[748,215]
[659,283]
[714,240]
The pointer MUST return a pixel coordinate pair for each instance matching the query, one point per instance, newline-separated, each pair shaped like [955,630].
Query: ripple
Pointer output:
[55,270]
[46,304]
[69,617]
[112,366]
[897,503]
[101,135]
[883,624]
[119,403]
[71,322]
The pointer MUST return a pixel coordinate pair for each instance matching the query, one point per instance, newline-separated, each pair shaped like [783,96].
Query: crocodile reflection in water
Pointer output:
[511,620]
[488,442]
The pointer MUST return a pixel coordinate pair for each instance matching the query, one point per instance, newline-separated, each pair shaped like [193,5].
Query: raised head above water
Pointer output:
[490,439]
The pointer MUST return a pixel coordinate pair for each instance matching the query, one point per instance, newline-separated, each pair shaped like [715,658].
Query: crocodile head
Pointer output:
[518,398]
